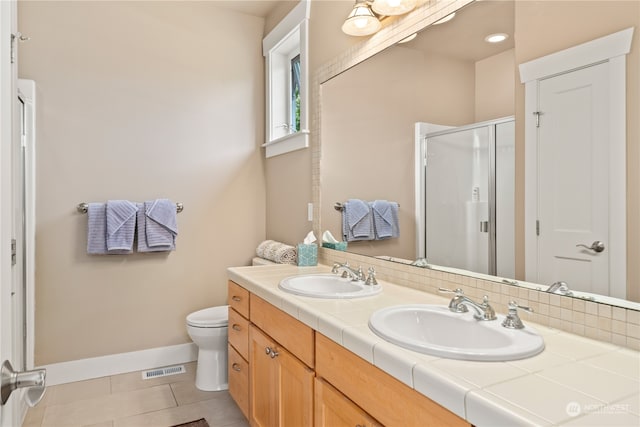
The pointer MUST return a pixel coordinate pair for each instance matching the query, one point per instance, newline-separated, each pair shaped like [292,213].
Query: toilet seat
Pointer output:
[213,317]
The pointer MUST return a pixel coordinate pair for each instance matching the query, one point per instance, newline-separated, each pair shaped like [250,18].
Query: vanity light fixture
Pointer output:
[361,21]
[447,18]
[393,7]
[366,15]
[408,39]
[496,38]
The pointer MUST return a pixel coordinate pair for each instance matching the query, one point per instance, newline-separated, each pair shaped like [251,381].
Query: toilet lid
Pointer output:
[213,317]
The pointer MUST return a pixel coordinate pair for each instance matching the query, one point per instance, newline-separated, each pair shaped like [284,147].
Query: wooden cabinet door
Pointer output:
[333,409]
[263,381]
[296,391]
[281,387]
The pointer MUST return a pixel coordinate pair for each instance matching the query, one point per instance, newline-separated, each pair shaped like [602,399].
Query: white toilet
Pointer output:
[208,330]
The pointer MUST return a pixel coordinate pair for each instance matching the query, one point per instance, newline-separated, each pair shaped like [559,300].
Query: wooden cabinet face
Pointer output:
[239,380]
[333,409]
[238,298]
[281,387]
[239,333]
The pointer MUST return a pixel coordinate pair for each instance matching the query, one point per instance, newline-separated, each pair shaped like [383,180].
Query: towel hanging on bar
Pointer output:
[84,207]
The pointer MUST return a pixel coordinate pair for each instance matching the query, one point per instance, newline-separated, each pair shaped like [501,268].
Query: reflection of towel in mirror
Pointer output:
[385,219]
[158,227]
[357,221]
[121,226]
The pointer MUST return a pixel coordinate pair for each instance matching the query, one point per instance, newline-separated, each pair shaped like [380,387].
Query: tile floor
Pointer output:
[129,401]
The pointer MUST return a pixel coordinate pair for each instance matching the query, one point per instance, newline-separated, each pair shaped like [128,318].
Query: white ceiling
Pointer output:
[463,37]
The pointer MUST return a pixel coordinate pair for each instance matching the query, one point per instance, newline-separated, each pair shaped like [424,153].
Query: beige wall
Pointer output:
[566,24]
[288,176]
[495,86]
[140,100]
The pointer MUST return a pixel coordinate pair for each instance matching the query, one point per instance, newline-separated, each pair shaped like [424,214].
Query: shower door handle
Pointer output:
[484,226]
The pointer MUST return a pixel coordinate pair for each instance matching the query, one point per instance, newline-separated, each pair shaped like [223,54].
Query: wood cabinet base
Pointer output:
[382,396]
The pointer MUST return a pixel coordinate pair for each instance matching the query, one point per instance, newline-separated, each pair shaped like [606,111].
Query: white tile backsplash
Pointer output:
[586,318]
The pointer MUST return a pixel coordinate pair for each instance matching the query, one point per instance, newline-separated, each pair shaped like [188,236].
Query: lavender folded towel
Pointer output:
[357,221]
[385,219]
[97,229]
[157,226]
[121,225]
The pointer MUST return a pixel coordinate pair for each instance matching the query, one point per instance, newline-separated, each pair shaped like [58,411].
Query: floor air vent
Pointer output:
[163,372]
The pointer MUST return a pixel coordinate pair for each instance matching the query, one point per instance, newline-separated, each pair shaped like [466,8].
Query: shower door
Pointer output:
[468,198]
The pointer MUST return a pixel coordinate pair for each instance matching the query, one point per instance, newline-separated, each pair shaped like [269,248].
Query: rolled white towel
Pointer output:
[277,252]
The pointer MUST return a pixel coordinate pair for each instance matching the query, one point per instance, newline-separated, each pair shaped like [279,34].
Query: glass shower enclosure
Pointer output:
[465,196]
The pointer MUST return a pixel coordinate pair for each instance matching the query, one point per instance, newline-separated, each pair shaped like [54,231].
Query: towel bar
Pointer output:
[340,207]
[84,207]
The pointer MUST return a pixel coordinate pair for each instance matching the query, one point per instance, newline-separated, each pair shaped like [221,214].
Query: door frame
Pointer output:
[611,49]
[10,412]
[27,92]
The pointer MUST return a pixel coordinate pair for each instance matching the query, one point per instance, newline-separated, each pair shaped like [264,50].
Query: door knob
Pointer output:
[596,246]
[11,380]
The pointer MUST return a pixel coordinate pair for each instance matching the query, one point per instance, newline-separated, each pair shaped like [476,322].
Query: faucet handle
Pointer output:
[360,275]
[371,278]
[489,312]
[454,304]
[512,321]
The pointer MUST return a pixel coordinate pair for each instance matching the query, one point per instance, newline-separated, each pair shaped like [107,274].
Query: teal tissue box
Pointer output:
[307,255]
[340,246]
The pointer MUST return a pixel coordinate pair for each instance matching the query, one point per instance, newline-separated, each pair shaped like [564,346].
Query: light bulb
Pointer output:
[393,7]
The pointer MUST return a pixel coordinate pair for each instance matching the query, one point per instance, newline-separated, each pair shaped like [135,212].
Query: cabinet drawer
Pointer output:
[387,399]
[239,380]
[288,331]
[238,298]
[239,333]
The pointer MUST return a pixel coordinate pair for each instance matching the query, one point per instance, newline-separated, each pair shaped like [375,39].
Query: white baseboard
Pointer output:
[96,367]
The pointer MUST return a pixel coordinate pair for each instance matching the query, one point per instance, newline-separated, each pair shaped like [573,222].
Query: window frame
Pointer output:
[287,40]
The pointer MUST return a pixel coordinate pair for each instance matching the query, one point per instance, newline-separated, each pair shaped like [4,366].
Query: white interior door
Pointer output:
[573,179]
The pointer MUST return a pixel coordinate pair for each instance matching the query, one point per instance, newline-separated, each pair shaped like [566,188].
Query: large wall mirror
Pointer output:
[450,84]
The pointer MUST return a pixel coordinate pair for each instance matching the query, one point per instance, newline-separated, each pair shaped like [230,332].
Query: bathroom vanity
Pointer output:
[301,361]
[282,372]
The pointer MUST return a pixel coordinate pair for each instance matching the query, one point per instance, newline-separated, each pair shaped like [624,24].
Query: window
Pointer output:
[295,95]
[285,51]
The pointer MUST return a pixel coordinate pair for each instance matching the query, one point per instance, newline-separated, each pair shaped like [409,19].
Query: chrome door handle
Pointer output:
[596,246]
[11,380]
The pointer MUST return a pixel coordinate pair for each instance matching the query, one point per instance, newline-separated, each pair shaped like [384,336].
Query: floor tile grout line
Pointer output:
[173,393]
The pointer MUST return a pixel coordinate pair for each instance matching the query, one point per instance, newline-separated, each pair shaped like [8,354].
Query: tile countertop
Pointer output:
[575,381]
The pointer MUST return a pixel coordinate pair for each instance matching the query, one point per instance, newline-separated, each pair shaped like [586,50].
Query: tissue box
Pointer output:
[307,254]
[339,246]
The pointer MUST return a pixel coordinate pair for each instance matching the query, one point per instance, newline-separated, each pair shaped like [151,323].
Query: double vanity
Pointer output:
[310,347]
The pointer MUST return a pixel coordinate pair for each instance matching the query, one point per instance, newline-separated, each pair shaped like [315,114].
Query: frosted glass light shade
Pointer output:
[393,7]
[361,21]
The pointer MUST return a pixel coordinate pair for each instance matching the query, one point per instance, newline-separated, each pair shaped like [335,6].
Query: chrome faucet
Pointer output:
[512,321]
[460,304]
[347,271]
[560,288]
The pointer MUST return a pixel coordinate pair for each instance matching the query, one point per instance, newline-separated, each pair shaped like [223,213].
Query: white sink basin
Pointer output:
[327,286]
[434,330]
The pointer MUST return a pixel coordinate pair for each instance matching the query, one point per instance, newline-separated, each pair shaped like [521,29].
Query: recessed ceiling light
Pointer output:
[496,38]
[445,19]
[408,39]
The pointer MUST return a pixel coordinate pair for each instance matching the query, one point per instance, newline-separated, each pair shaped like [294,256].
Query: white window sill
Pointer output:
[287,143]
